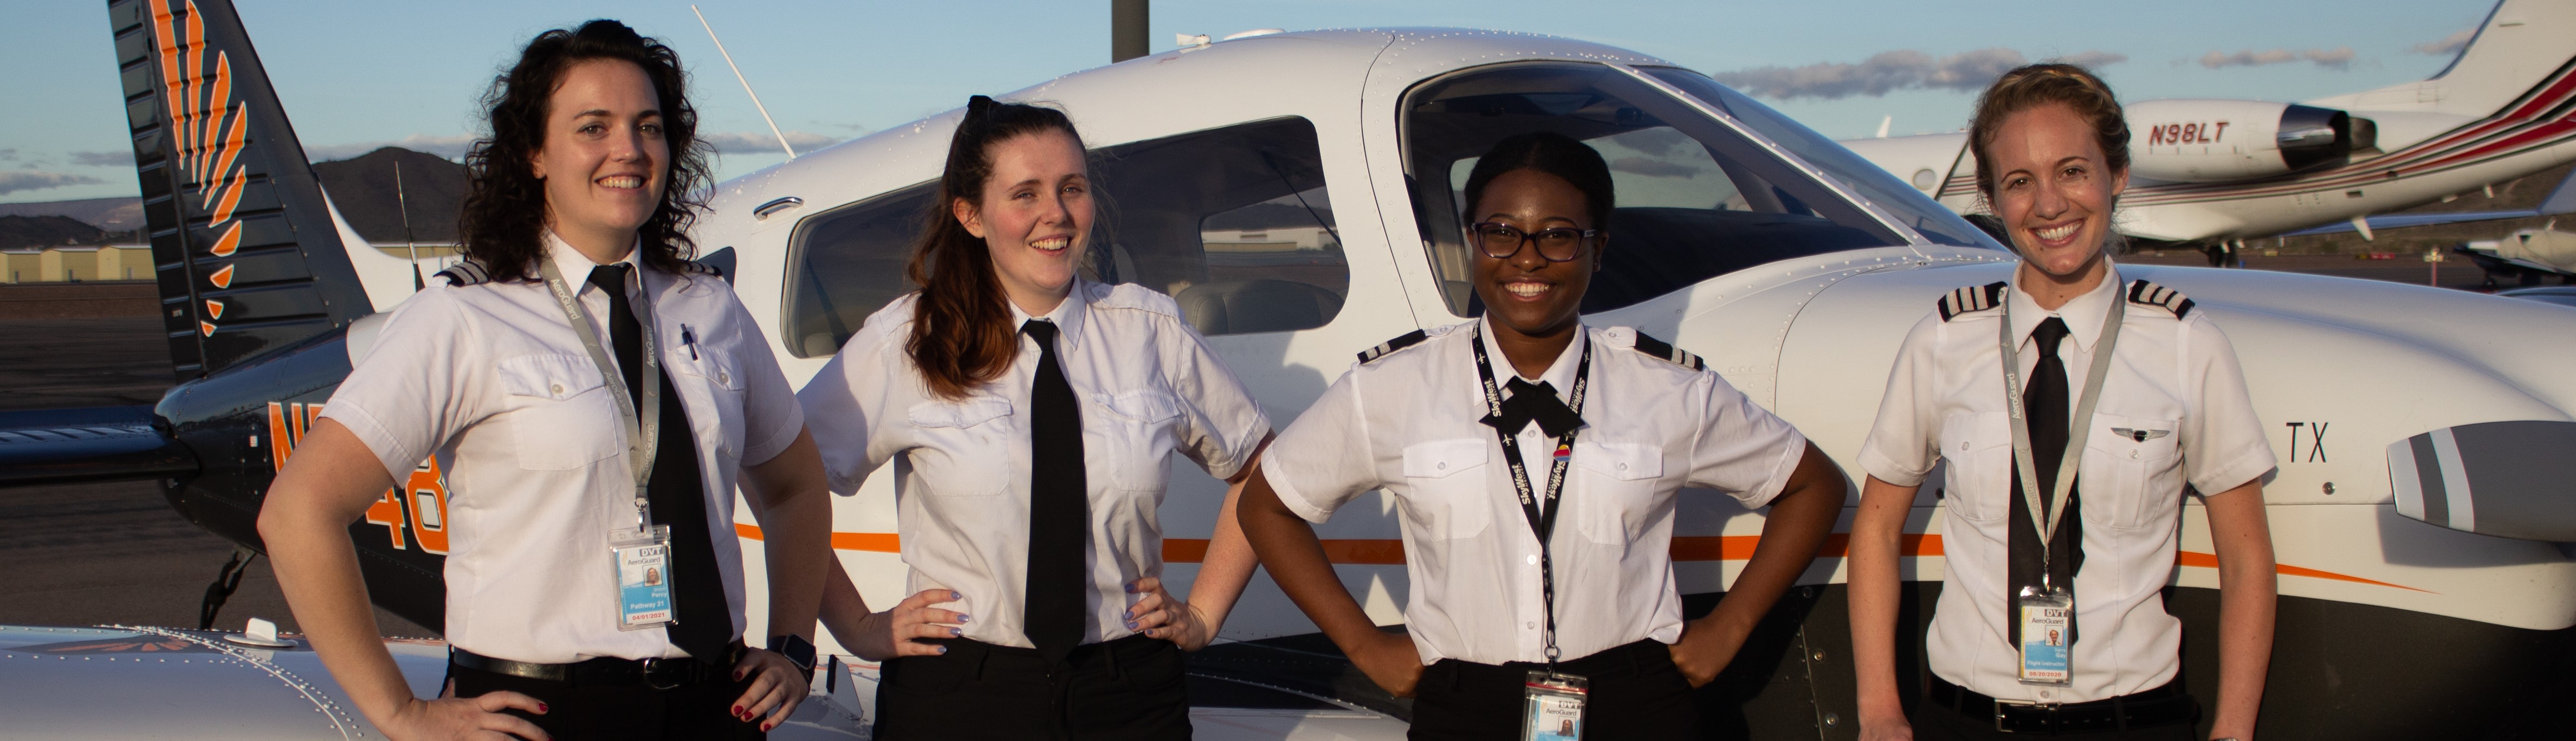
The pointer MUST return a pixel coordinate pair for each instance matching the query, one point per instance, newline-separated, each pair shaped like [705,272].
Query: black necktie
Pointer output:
[1534,402]
[2045,402]
[1059,508]
[676,489]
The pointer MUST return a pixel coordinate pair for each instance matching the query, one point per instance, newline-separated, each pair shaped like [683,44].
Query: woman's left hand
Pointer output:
[1159,615]
[779,686]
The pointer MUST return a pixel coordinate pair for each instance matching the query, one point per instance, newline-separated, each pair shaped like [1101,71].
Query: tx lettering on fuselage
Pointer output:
[419,505]
[2186,133]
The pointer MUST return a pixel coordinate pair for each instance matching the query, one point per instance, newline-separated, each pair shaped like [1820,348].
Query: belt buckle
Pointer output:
[654,669]
[2049,723]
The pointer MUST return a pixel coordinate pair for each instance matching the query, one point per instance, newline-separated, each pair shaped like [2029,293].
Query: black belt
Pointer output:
[2162,706]
[660,674]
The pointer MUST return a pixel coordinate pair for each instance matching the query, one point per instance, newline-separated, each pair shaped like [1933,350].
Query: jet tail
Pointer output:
[243,241]
[2519,45]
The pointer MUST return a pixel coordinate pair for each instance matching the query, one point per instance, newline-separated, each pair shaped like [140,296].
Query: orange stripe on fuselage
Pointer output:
[1388,552]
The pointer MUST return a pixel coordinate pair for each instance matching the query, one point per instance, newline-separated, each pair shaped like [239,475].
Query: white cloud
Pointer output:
[2338,58]
[451,147]
[1890,71]
[2451,44]
[753,142]
[12,181]
[119,158]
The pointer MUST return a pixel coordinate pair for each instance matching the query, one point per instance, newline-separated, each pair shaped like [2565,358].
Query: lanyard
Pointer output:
[644,433]
[2081,425]
[1541,520]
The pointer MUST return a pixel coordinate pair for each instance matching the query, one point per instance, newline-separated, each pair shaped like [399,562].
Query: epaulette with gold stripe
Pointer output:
[1970,299]
[1383,349]
[1665,351]
[2146,293]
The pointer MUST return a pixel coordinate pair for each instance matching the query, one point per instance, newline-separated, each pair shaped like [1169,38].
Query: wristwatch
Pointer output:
[797,650]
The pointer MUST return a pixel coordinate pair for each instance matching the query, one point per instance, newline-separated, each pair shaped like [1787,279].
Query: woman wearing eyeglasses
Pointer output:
[1537,462]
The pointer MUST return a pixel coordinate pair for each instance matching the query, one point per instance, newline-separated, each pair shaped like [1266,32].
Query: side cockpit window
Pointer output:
[1233,223]
[1696,199]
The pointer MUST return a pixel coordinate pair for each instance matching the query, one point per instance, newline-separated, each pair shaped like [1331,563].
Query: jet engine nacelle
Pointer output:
[2200,141]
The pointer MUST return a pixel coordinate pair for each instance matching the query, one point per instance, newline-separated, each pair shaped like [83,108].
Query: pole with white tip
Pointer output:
[746,83]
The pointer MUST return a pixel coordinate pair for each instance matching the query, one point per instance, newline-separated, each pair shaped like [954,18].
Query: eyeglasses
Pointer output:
[1502,241]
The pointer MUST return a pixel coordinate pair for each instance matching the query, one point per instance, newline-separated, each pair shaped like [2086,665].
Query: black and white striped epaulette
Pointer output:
[1389,347]
[466,273]
[694,267]
[2146,293]
[1971,299]
[1665,351]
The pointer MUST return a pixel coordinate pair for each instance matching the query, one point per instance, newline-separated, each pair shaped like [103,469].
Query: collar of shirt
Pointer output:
[576,266]
[1067,315]
[2083,314]
[1559,373]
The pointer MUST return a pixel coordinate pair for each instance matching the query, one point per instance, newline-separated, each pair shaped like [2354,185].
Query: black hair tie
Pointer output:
[977,105]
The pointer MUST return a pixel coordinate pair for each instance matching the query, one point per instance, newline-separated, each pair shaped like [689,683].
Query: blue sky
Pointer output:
[356,75]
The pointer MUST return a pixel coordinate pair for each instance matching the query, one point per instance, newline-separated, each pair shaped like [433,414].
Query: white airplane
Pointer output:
[2218,172]
[1297,193]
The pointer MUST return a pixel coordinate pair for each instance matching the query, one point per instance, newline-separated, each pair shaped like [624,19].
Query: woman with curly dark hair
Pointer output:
[592,431]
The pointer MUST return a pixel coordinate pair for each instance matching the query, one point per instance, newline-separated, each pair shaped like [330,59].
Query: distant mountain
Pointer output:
[363,189]
[111,214]
[18,232]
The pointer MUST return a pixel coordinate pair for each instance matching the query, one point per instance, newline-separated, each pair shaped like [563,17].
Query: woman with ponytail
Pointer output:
[1035,413]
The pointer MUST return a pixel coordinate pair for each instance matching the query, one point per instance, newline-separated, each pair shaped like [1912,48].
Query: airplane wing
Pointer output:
[54,446]
[2560,201]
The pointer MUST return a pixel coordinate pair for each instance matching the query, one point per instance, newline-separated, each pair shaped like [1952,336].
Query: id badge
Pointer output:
[643,563]
[2045,618]
[1553,707]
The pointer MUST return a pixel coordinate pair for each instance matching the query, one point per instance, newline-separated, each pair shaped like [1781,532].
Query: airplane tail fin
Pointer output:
[2520,44]
[243,241]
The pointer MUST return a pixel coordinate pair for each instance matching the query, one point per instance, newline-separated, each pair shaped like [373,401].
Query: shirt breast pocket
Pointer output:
[1445,496]
[562,412]
[964,449]
[1979,448]
[721,374]
[2132,474]
[1138,438]
[1618,497]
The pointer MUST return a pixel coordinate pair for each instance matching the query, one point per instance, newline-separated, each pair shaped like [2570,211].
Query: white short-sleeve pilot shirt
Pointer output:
[1407,422]
[1148,386]
[492,380]
[2173,411]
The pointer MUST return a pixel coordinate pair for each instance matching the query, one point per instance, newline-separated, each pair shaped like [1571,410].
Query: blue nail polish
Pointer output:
[961,617]
[1131,625]
[1131,589]
[956,596]
[956,632]
[1131,614]
[943,649]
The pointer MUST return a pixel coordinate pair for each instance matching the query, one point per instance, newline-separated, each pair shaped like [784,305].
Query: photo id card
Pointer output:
[2045,618]
[643,562]
[1553,707]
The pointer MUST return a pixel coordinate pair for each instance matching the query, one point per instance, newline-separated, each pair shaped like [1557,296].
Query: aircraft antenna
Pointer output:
[404,204]
[746,83]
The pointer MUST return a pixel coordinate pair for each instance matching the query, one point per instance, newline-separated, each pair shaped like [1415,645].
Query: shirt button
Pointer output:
[1963,445]
[1531,626]
[723,377]
[1533,560]
[1623,466]
[2133,454]
[1441,466]
[557,389]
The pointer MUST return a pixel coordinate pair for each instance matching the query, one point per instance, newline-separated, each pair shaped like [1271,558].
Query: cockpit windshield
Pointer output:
[1696,199]
[1927,217]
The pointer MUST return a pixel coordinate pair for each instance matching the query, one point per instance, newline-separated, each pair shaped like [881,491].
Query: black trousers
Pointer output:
[1130,688]
[1636,693]
[621,711]
[1936,722]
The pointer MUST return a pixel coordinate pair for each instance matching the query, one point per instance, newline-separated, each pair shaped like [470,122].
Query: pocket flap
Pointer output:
[1622,461]
[967,412]
[1142,405]
[714,365]
[1967,432]
[556,377]
[1439,458]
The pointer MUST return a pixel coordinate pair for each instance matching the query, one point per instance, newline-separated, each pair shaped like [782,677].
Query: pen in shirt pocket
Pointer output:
[691,340]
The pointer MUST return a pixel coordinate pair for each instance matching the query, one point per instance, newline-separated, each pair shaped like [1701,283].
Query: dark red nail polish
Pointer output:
[542,707]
